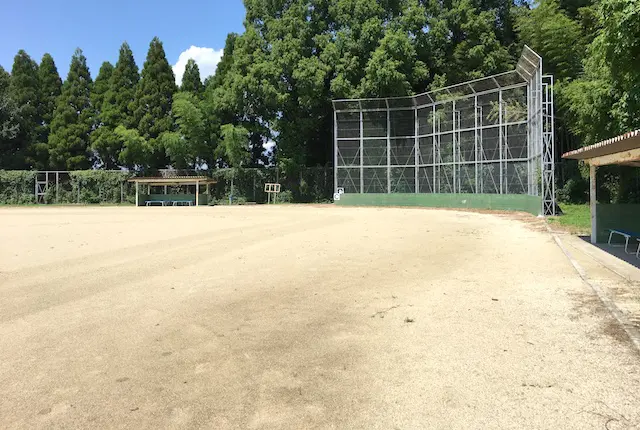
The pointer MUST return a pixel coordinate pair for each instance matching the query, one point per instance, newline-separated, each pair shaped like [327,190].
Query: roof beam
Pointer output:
[630,156]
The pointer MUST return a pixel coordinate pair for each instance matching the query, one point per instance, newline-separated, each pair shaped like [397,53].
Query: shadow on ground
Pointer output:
[617,250]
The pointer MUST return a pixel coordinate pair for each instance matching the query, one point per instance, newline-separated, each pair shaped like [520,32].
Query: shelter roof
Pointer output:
[623,149]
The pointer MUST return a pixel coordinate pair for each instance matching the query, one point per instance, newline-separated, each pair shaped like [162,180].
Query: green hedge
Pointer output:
[309,184]
[17,187]
[80,187]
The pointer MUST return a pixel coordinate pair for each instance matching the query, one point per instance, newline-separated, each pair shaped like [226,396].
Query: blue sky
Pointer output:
[99,28]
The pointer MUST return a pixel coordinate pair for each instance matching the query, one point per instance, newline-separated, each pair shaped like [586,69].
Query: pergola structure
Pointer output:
[172,181]
[622,150]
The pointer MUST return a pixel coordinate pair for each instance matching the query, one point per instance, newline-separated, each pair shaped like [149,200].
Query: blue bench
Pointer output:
[627,235]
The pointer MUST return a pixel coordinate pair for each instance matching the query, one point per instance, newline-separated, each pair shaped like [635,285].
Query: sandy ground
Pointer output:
[301,317]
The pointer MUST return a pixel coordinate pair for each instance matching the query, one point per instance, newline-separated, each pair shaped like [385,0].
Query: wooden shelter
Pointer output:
[163,181]
[621,150]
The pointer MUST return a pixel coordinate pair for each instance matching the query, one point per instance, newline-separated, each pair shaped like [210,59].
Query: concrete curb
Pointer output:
[629,328]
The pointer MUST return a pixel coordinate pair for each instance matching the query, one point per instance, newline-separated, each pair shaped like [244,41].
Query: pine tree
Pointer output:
[50,86]
[72,119]
[118,104]
[191,79]
[23,90]
[153,100]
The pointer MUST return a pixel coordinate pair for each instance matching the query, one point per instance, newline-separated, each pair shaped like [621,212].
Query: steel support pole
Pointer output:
[197,191]
[481,150]
[434,143]
[593,202]
[529,151]
[335,151]
[57,185]
[388,151]
[454,141]
[506,157]
[137,199]
[500,139]
[475,139]
[361,154]
[416,148]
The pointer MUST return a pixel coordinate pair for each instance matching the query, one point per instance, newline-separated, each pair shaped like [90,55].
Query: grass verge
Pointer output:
[576,219]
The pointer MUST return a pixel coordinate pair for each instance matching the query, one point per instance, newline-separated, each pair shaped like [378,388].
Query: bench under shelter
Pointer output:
[172,191]
[612,221]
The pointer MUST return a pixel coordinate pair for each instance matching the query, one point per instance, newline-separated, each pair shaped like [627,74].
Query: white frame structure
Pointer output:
[272,188]
[492,135]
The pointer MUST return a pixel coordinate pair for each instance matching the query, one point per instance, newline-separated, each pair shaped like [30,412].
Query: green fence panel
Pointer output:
[616,216]
[507,202]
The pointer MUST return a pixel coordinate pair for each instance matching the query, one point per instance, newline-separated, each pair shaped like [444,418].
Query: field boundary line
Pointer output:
[630,329]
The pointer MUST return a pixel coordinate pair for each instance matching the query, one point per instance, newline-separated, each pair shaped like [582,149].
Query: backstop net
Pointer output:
[487,136]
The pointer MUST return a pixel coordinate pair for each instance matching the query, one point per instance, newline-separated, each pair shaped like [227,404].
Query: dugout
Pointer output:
[623,150]
[172,191]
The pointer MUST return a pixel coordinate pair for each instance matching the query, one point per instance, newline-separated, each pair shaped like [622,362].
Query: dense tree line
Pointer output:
[125,118]
[276,81]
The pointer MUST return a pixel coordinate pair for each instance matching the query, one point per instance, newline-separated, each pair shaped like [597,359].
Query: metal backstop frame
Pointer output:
[492,135]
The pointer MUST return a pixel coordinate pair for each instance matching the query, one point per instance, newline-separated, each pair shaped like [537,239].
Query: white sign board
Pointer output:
[336,196]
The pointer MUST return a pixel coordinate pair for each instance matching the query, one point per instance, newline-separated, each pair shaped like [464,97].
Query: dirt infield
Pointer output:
[301,317]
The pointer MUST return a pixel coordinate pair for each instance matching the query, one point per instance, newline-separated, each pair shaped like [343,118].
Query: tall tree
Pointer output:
[557,38]
[103,139]
[116,113]
[135,148]
[101,86]
[191,79]
[188,146]
[23,90]
[225,64]
[153,100]
[605,100]
[393,69]
[119,99]
[72,119]
[50,87]
[8,121]
[235,145]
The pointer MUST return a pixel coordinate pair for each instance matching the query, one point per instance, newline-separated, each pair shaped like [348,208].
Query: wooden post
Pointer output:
[137,202]
[593,202]
[197,189]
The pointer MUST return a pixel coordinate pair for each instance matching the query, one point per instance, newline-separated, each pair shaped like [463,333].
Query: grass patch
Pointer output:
[576,218]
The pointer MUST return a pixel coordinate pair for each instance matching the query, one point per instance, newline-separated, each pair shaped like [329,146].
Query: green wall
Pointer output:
[203,199]
[623,217]
[511,202]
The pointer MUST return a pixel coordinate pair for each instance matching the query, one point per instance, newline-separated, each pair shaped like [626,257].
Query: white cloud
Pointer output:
[206,58]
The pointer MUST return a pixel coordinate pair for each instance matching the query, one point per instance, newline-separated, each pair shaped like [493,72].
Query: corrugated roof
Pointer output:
[624,142]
